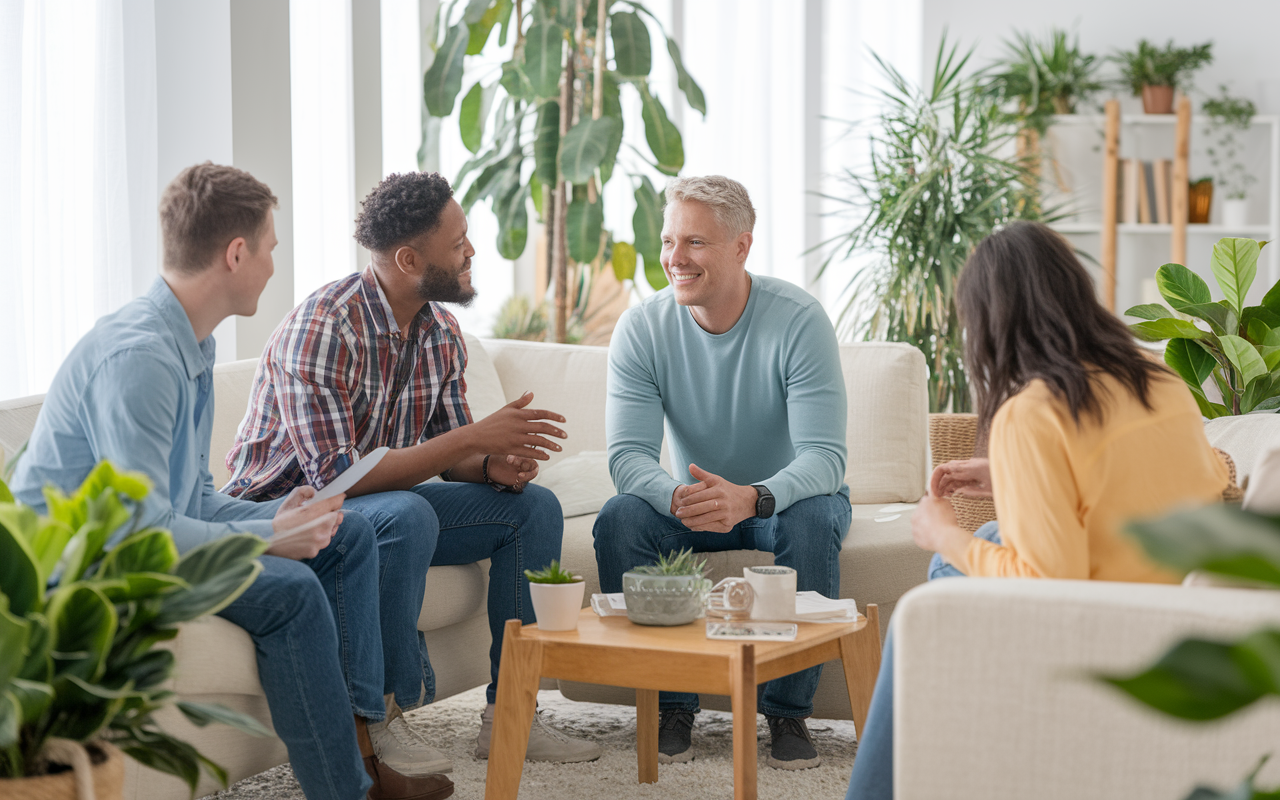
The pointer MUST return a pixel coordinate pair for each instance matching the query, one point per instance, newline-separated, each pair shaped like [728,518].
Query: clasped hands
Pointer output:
[934,525]
[713,503]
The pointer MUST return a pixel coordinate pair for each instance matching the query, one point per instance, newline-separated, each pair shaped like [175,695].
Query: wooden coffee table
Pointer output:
[613,651]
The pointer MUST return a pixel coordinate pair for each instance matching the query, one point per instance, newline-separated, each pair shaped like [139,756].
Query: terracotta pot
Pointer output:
[1200,201]
[1157,99]
[107,772]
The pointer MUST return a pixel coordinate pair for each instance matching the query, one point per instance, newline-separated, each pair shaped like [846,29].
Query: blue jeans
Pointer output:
[514,531]
[806,537]
[872,777]
[335,633]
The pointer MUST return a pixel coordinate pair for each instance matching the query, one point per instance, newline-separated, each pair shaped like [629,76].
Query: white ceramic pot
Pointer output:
[1235,214]
[557,605]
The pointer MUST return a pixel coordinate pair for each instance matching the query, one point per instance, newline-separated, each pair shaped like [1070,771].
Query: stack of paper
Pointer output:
[814,607]
[609,605]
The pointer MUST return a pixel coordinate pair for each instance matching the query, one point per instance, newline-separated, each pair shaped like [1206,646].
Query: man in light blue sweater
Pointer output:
[745,370]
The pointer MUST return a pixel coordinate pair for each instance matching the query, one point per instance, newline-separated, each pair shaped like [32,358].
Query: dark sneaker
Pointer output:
[675,737]
[791,746]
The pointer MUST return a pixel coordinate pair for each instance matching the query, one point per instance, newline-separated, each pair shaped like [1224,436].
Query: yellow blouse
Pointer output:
[1063,492]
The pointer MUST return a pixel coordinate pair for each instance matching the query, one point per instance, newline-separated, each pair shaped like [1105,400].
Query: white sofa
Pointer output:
[888,463]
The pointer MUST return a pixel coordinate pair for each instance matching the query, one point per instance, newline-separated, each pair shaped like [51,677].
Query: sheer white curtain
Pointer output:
[64,185]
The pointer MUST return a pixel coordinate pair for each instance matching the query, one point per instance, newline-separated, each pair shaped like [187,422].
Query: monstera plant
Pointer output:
[1238,346]
[80,623]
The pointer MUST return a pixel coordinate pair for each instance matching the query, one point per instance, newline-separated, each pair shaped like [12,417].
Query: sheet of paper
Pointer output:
[323,519]
[350,476]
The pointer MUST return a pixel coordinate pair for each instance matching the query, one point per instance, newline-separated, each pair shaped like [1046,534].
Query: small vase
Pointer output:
[107,771]
[1235,213]
[1157,99]
[557,605]
[1200,201]
[664,599]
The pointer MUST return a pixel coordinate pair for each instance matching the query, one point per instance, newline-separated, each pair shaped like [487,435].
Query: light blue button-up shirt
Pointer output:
[137,390]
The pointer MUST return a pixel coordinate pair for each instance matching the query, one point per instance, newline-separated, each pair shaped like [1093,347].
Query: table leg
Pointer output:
[860,656]
[517,701]
[742,683]
[647,735]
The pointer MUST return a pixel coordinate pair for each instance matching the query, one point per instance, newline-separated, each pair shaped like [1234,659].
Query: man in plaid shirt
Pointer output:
[374,360]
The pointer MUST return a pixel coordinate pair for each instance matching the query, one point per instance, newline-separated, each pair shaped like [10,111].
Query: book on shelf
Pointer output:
[1145,198]
[1128,190]
[1144,191]
[1162,172]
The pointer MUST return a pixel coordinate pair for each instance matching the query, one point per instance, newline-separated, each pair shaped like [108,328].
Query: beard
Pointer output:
[443,285]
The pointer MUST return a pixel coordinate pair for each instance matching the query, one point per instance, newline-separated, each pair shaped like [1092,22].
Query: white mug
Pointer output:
[775,592]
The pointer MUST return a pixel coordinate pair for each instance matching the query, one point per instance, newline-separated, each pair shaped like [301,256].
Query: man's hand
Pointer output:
[970,477]
[516,431]
[934,527]
[713,503]
[512,471]
[326,516]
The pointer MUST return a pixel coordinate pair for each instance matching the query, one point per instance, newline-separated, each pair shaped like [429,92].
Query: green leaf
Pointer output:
[1221,539]
[38,666]
[1189,360]
[654,274]
[1158,329]
[1244,357]
[632,50]
[14,632]
[1150,311]
[661,134]
[624,261]
[1181,287]
[19,575]
[202,714]
[1235,263]
[646,222]
[443,80]
[209,560]
[535,194]
[1270,356]
[612,108]
[583,223]
[1220,316]
[49,545]
[142,586]
[513,220]
[166,754]
[6,496]
[33,697]
[585,146]
[692,92]
[471,118]
[1271,301]
[10,720]
[150,550]
[543,58]
[499,12]
[208,597]
[475,11]
[516,82]
[546,143]
[83,622]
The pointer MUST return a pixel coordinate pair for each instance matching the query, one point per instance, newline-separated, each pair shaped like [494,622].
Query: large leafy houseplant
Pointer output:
[936,186]
[80,624]
[1203,679]
[549,129]
[1229,116]
[1171,66]
[1239,350]
[1043,78]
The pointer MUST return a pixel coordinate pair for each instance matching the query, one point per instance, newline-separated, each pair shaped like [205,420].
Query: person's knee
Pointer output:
[624,521]
[542,506]
[816,519]
[298,589]
[417,520]
[356,534]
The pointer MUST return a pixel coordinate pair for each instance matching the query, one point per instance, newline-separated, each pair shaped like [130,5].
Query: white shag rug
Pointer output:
[452,724]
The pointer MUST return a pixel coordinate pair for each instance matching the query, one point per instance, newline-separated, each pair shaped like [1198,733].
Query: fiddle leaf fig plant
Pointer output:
[1238,347]
[86,597]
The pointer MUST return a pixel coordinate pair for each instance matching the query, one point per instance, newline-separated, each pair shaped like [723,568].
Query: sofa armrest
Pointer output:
[994,696]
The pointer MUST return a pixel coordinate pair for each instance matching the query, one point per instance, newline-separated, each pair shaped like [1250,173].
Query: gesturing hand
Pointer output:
[713,503]
[512,471]
[970,477]
[515,430]
[323,518]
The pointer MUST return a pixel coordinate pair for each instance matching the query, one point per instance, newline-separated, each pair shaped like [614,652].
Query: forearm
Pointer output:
[813,473]
[642,476]
[406,467]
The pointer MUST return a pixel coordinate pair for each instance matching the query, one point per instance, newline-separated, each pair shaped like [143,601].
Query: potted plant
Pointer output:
[557,597]
[1239,347]
[1228,116]
[670,592]
[81,675]
[1155,73]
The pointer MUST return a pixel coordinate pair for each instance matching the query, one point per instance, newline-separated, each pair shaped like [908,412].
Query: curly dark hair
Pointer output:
[401,208]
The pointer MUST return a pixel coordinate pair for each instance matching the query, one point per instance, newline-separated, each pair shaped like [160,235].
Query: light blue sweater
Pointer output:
[761,403]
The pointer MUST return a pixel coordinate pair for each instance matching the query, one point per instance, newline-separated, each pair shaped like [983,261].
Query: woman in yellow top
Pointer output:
[1086,431]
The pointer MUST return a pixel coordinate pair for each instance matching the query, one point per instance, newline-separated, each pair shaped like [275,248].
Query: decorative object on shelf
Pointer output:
[670,592]
[552,125]
[1240,350]
[936,186]
[557,597]
[1154,73]
[731,598]
[1228,117]
[79,625]
[1200,201]
[1198,679]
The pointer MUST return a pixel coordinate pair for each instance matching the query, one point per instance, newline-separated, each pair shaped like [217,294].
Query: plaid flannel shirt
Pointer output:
[337,379]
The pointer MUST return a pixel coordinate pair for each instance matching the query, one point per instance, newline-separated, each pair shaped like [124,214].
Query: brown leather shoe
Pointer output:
[391,785]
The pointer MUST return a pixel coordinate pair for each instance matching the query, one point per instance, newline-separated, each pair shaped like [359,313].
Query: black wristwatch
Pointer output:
[765,502]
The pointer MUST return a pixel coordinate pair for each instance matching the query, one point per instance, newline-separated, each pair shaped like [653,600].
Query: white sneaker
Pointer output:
[545,742]
[404,750]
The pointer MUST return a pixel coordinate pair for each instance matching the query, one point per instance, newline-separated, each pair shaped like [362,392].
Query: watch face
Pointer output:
[764,506]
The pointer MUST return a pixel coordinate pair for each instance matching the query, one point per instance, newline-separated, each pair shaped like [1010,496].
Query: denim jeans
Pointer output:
[872,777]
[335,633]
[514,531]
[806,537]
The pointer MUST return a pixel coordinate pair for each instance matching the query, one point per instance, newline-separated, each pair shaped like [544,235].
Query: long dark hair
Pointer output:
[1029,311]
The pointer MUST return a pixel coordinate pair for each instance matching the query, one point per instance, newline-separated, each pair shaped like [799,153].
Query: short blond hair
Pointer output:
[727,199]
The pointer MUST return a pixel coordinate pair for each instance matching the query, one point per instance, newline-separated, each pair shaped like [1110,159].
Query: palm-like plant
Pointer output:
[936,186]
[1044,78]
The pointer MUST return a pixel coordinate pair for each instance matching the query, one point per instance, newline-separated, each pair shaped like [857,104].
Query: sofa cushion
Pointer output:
[484,387]
[17,418]
[581,483]
[888,437]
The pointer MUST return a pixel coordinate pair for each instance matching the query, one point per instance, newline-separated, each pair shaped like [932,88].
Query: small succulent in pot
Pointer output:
[671,592]
[557,597]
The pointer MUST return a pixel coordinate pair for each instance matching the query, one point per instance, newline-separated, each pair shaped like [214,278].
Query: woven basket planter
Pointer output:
[104,781]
